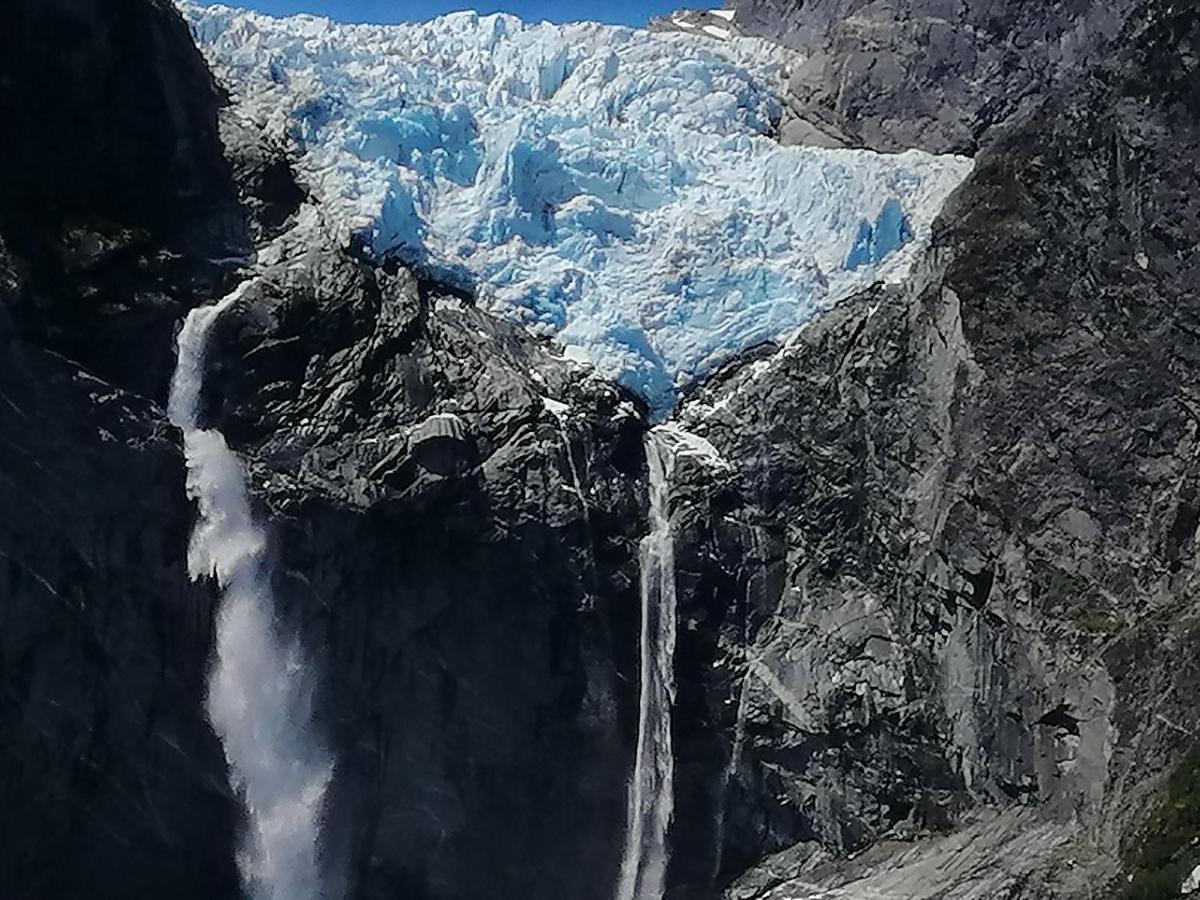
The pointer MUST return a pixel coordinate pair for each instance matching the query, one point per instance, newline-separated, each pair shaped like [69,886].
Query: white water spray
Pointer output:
[259,692]
[651,799]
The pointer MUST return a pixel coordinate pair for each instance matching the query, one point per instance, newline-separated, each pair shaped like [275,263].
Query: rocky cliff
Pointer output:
[115,196]
[937,629]
[893,74]
[454,510]
[960,534]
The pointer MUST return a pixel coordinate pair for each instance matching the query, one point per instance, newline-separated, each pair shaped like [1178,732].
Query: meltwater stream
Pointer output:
[651,802]
[260,690]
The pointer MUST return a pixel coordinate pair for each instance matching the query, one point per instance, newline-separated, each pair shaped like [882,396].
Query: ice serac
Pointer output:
[874,242]
[259,691]
[616,188]
[651,790]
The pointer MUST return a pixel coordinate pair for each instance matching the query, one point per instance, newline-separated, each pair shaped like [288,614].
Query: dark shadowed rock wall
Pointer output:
[114,194]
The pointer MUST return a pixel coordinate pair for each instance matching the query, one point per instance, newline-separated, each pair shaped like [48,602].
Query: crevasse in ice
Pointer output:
[612,187]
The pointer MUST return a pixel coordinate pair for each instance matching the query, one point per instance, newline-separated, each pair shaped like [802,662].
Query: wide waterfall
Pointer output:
[644,865]
[260,690]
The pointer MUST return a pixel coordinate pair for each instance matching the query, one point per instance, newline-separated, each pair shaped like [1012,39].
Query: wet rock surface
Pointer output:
[114,198]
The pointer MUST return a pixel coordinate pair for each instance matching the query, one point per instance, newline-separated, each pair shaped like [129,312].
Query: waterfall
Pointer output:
[259,690]
[644,864]
[731,767]
[559,411]
[739,727]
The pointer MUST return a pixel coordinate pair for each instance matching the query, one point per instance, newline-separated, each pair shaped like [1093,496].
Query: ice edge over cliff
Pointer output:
[615,188]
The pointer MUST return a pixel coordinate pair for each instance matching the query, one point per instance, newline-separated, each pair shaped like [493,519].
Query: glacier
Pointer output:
[616,189]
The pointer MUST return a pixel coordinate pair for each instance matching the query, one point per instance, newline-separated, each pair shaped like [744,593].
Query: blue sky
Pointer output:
[627,12]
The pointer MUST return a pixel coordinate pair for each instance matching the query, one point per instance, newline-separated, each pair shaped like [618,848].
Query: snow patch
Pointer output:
[1192,883]
[685,444]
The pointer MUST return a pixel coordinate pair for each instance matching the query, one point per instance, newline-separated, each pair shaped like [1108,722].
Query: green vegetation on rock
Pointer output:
[1072,598]
[1168,846]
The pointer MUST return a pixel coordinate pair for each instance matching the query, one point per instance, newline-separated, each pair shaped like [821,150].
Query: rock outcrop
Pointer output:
[934,74]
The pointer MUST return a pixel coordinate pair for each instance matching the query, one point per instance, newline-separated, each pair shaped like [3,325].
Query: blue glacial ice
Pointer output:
[613,188]
[874,243]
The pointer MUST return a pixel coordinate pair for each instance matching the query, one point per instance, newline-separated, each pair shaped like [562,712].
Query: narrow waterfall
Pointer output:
[644,864]
[259,691]
[559,411]
[731,767]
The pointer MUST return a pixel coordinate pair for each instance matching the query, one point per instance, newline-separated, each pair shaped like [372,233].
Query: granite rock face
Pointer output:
[953,568]
[456,512]
[934,74]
